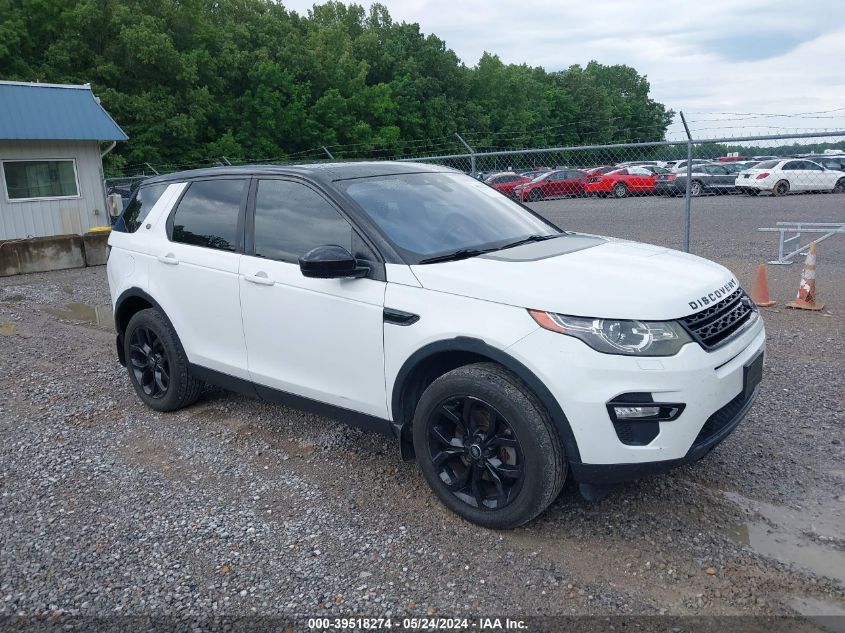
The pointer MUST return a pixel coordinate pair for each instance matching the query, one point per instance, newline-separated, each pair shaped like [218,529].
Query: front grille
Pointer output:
[722,418]
[714,325]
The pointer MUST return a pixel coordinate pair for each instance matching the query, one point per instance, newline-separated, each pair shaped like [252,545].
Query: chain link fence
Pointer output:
[751,165]
[770,165]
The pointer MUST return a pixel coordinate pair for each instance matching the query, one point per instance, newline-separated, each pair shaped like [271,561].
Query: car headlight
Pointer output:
[613,336]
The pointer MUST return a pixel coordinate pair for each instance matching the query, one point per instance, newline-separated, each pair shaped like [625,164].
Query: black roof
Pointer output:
[319,171]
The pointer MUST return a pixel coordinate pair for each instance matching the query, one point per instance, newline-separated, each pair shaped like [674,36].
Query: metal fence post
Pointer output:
[688,194]
[471,153]
[328,153]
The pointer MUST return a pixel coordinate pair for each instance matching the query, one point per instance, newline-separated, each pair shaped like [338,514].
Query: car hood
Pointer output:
[605,278]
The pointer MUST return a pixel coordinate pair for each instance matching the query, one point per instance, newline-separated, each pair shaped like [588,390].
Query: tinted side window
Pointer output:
[139,208]
[291,219]
[207,214]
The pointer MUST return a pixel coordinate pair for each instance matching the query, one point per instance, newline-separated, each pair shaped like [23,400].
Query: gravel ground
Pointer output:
[236,507]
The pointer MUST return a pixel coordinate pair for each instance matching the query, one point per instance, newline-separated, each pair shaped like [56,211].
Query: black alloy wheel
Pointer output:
[149,362]
[475,452]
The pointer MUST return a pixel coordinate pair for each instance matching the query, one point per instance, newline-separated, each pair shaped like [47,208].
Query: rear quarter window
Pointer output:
[139,208]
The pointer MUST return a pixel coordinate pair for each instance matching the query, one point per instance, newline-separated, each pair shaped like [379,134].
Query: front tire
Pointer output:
[157,364]
[620,190]
[839,187]
[487,447]
[536,195]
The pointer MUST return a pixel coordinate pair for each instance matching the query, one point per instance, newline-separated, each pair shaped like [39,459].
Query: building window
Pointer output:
[38,179]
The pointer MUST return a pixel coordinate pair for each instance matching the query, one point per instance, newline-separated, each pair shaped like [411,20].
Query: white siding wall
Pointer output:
[55,217]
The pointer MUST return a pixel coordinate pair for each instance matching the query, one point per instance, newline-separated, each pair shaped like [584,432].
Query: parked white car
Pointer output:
[681,165]
[501,352]
[779,177]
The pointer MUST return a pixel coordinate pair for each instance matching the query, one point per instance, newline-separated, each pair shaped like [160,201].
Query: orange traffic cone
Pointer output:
[806,299]
[760,289]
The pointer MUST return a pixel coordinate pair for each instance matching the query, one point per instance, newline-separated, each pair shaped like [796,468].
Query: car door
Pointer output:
[816,177]
[640,179]
[794,173]
[321,339]
[551,184]
[572,184]
[506,183]
[715,177]
[194,274]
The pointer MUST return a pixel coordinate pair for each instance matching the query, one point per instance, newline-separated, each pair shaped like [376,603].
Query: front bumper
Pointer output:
[583,381]
[727,419]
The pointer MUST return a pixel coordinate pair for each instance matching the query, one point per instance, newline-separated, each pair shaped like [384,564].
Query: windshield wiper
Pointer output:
[463,253]
[531,238]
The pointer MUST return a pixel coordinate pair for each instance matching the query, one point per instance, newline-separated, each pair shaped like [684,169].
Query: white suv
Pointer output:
[502,352]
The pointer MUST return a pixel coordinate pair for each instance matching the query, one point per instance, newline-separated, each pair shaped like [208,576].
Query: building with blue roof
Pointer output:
[52,141]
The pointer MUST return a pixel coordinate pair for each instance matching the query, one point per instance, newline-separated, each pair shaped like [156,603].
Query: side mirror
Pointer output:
[331,262]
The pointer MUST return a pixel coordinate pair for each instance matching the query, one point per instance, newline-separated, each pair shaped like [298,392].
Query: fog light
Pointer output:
[629,413]
[641,408]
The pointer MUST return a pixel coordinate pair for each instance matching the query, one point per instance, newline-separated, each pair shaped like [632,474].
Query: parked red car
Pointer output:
[621,182]
[506,181]
[559,182]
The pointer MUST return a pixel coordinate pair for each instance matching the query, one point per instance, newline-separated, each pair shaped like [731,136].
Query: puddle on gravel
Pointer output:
[101,316]
[826,615]
[792,536]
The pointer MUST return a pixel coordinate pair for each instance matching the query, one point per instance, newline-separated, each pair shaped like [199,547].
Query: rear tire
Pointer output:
[696,188]
[157,364]
[498,476]
[620,190]
[781,188]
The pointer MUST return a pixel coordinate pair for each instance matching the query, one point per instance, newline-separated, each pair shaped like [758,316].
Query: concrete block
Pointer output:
[95,245]
[40,254]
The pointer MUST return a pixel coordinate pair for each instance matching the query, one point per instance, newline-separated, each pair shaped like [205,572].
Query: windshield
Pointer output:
[427,215]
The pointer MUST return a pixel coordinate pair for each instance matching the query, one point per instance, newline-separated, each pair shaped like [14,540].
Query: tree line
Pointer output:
[192,81]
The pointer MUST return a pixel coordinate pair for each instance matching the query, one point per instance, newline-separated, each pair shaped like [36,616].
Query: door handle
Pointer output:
[170,258]
[260,278]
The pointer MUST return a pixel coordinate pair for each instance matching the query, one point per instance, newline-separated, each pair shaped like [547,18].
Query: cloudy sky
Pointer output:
[705,58]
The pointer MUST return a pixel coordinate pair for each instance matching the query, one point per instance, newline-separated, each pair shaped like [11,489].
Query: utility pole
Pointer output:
[471,154]
[687,196]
